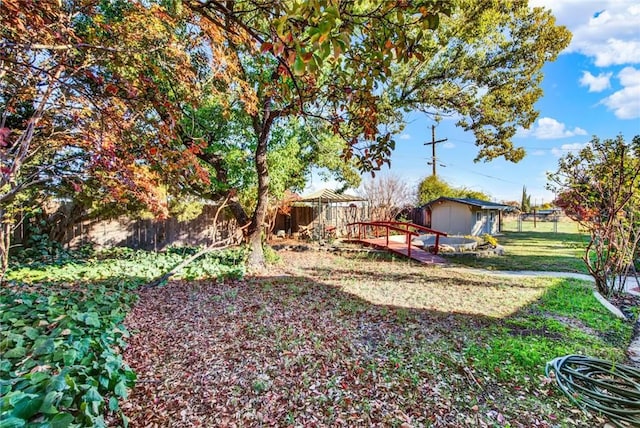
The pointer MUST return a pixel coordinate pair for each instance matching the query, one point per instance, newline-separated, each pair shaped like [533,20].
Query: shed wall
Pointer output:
[452,218]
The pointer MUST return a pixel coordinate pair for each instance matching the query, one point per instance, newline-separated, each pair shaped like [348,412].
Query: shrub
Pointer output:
[489,239]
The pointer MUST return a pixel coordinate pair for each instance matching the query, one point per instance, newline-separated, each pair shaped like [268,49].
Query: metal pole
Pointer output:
[433,148]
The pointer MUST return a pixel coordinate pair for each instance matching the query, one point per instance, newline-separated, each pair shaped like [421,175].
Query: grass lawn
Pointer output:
[328,340]
[317,340]
[539,248]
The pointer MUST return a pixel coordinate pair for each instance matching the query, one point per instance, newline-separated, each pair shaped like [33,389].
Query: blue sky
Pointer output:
[593,88]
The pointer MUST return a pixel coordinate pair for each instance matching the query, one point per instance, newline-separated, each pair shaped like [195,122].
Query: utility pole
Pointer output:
[433,143]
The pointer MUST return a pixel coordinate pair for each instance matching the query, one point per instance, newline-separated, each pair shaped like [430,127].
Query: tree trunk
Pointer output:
[238,212]
[5,242]
[256,257]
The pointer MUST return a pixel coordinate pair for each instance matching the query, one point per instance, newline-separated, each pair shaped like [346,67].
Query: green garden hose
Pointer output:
[610,389]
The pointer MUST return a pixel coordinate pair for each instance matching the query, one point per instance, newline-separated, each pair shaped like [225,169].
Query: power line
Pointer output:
[481,174]
[560,149]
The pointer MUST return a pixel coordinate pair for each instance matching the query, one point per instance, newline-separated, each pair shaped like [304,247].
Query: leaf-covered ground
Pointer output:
[330,340]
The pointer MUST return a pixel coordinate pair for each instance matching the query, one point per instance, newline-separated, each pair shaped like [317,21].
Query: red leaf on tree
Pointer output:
[4,137]
[111,89]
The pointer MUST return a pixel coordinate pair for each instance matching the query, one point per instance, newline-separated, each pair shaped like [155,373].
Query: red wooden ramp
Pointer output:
[378,234]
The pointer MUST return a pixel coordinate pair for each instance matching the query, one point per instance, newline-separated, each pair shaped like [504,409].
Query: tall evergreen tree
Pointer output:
[525,204]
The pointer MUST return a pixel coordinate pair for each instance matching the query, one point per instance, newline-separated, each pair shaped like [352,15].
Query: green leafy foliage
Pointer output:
[431,188]
[62,332]
[60,353]
[525,204]
[137,266]
[598,187]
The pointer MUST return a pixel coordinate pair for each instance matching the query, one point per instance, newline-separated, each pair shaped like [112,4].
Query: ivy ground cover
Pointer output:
[348,340]
[62,333]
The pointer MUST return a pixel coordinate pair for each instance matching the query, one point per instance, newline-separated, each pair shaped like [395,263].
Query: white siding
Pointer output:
[459,219]
[452,217]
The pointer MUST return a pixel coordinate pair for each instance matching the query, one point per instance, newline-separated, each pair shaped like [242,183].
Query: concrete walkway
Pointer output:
[632,285]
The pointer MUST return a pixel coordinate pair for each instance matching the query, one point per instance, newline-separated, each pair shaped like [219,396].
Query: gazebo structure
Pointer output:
[323,213]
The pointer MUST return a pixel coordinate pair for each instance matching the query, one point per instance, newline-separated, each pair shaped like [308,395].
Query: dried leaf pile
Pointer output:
[312,343]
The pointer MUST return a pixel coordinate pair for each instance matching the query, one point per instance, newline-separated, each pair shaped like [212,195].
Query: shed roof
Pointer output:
[329,196]
[478,203]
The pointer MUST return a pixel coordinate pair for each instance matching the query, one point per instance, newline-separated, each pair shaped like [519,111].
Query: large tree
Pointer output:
[358,65]
[83,101]
[431,187]
[484,66]
[351,67]
[289,59]
[222,129]
[599,187]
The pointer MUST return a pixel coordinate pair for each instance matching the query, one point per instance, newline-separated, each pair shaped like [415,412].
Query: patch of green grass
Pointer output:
[534,250]
[575,299]
[566,320]
[511,357]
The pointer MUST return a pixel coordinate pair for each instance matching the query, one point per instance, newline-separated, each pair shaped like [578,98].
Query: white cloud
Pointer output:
[629,76]
[449,145]
[547,128]
[596,83]
[404,137]
[538,153]
[523,133]
[566,148]
[625,103]
[606,30]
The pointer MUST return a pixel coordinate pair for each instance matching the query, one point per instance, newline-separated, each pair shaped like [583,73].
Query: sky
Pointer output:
[593,88]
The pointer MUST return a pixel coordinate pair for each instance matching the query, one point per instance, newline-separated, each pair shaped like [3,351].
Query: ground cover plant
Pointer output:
[537,249]
[352,340]
[62,332]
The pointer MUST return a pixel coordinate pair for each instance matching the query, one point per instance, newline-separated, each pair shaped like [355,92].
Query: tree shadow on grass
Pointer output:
[511,262]
[295,350]
[319,348]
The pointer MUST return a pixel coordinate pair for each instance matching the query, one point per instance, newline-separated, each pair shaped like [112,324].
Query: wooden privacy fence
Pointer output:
[150,234]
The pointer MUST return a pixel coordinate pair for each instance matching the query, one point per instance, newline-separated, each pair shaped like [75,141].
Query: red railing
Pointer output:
[408,229]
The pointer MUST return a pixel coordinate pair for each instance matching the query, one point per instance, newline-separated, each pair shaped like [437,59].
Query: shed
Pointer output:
[464,216]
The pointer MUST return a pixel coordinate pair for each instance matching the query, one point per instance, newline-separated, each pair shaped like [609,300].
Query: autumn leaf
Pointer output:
[266,47]
[4,137]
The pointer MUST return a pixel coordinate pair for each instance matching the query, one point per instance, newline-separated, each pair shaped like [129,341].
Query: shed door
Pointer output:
[491,223]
